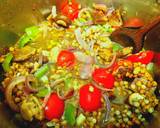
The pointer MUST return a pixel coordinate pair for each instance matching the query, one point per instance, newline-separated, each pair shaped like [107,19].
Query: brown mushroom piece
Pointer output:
[99,14]
[100,7]
[62,20]
[23,53]
[115,18]
[99,17]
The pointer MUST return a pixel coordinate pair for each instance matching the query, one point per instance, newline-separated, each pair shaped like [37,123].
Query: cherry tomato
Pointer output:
[90,98]
[54,108]
[103,77]
[143,57]
[63,3]
[134,23]
[65,59]
[70,10]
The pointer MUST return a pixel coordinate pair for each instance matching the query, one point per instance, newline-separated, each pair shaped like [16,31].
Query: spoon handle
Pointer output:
[143,31]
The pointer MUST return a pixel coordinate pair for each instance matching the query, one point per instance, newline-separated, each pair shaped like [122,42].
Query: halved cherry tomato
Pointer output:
[90,98]
[143,57]
[70,9]
[54,108]
[101,76]
[65,59]
[134,23]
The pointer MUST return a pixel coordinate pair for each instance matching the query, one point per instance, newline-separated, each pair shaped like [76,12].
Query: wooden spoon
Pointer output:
[134,37]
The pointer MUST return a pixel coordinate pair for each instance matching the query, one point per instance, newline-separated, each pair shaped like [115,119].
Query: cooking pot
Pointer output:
[15,15]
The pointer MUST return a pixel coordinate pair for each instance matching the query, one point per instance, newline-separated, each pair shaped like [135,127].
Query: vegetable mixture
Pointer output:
[66,72]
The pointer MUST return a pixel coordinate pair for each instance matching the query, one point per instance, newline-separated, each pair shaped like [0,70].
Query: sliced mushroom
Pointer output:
[115,18]
[101,7]
[23,53]
[8,92]
[99,17]
[62,20]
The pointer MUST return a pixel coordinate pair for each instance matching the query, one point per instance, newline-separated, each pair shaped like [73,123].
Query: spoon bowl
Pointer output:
[133,36]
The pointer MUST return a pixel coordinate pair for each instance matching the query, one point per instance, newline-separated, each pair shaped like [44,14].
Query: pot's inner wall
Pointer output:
[15,15]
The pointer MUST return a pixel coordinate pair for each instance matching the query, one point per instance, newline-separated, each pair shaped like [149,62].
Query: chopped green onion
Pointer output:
[23,40]
[43,92]
[70,114]
[80,119]
[54,54]
[7,61]
[44,79]
[32,32]
[30,35]
[41,71]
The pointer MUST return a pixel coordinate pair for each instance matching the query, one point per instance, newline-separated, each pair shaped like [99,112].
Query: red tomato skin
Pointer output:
[134,23]
[65,59]
[143,57]
[90,101]
[101,76]
[54,108]
[71,11]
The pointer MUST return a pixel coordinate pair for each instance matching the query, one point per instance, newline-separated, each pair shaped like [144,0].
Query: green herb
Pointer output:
[70,114]
[43,92]
[7,61]
[41,71]
[116,47]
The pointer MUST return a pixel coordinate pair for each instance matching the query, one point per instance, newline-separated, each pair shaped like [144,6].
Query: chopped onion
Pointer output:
[54,83]
[9,89]
[40,61]
[54,11]
[46,99]
[91,45]
[109,65]
[82,57]
[28,88]
[86,71]
[80,40]
[100,87]
[66,96]
[112,62]
[110,11]
[72,49]
[108,107]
